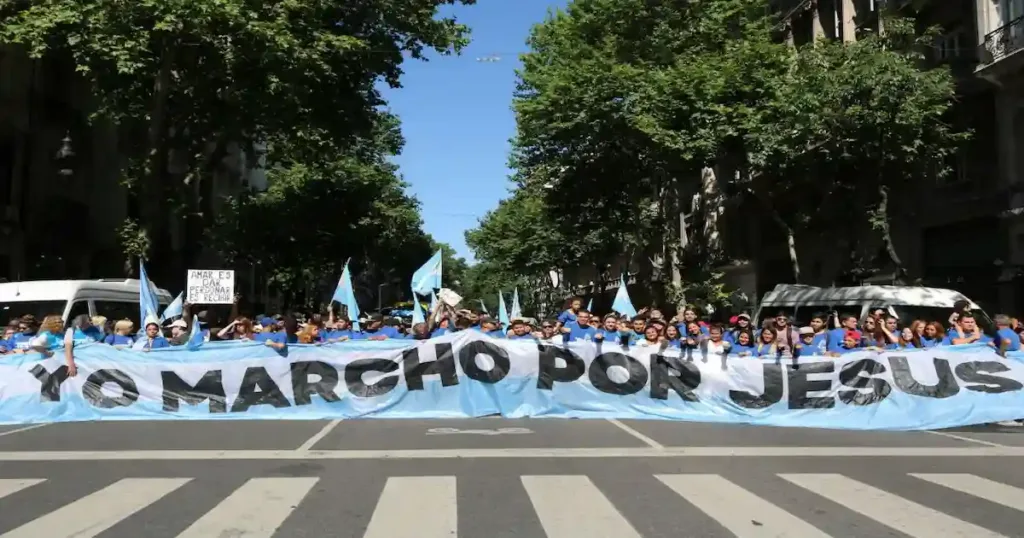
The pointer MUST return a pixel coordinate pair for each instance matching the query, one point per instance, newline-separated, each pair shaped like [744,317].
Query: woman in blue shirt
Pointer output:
[766,344]
[672,336]
[744,344]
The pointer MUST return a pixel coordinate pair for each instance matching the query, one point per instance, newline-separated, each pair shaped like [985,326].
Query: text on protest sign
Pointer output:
[444,377]
[210,286]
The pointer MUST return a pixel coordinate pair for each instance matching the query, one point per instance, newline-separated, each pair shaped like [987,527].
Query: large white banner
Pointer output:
[469,374]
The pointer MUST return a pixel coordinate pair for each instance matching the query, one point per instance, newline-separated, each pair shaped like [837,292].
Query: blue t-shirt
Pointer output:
[526,336]
[567,317]
[749,351]
[156,343]
[440,331]
[766,350]
[948,341]
[576,332]
[119,340]
[835,340]
[52,340]
[21,340]
[1007,333]
[929,342]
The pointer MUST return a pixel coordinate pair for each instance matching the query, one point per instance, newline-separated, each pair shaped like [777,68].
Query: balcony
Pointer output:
[1000,46]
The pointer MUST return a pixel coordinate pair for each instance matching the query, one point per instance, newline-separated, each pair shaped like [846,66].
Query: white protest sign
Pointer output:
[210,286]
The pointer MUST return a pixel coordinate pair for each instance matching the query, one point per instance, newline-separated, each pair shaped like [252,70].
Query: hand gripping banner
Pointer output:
[468,375]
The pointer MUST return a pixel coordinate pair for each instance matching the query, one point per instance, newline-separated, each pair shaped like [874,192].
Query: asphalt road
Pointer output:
[498,478]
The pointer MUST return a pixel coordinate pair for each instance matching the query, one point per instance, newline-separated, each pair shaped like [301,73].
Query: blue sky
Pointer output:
[457,118]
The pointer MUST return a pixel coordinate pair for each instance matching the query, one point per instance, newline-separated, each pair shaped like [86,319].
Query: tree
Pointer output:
[189,81]
[632,115]
[312,218]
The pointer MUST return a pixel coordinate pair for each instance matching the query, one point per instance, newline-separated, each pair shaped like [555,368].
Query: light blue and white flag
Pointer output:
[502,312]
[483,308]
[622,303]
[433,301]
[517,311]
[195,338]
[417,311]
[428,277]
[149,305]
[174,309]
[346,295]
[590,305]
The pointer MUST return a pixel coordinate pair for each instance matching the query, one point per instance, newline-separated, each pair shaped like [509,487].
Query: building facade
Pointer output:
[62,201]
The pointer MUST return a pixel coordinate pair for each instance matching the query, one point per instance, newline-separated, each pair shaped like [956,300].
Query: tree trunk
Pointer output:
[794,261]
[711,210]
[882,223]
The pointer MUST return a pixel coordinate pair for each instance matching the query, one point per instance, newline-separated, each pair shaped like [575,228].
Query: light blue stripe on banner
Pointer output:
[981,386]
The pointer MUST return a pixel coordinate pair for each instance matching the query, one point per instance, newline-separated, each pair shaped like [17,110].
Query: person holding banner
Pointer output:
[579,329]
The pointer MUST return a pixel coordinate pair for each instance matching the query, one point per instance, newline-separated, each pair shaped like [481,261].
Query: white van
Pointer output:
[905,302]
[115,299]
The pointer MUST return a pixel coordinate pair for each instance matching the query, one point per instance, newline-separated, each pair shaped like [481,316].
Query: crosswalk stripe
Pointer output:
[10,486]
[983,488]
[891,510]
[571,506]
[254,510]
[415,507]
[741,512]
[99,511]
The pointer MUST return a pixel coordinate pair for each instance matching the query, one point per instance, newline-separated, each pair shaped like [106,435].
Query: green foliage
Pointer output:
[189,80]
[312,218]
[621,104]
[134,243]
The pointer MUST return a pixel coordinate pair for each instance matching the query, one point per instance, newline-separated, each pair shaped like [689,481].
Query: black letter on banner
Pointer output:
[772,390]
[49,384]
[269,393]
[549,370]
[799,386]
[905,381]
[304,389]
[210,387]
[354,377]
[467,357]
[93,389]
[599,374]
[683,384]
[980,372]
[443,365]
[850,376]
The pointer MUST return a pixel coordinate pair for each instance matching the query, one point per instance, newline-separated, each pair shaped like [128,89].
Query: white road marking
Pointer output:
[888,509]
[497,431]
[97,512]
[415,507]
[319,435]
[23,429]
[964,438]
[10,486]
[254,510]
[741,512]
[519,453]
[983,488]
[643,438]
[572,506]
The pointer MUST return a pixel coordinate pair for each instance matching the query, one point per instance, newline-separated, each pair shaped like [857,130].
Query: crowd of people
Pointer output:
[828,333]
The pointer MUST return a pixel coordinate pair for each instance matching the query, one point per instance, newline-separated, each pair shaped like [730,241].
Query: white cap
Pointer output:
[180,323]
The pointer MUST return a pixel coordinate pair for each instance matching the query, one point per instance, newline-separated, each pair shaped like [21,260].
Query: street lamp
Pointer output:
[65,157]
[380,296]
